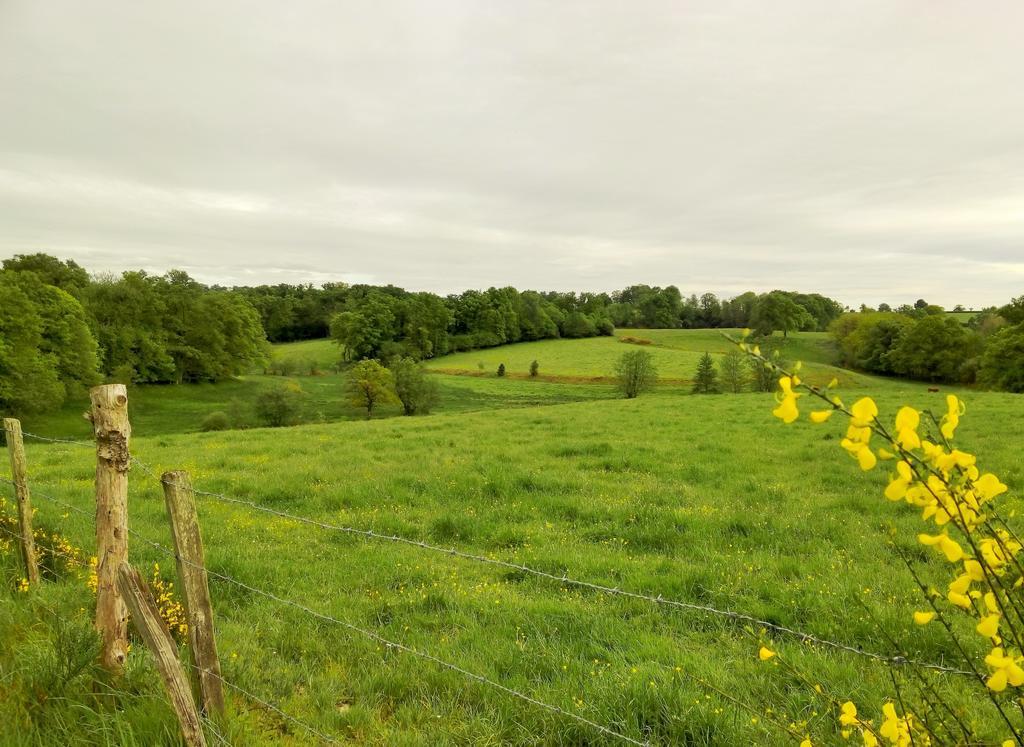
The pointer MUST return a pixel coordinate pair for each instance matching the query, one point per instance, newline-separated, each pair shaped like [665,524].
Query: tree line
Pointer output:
[62,330]
[924,342]
[386,322]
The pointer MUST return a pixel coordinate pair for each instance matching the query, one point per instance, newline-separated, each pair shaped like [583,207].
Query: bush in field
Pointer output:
[534,369]
[501,369]
[706,379]
[279,406]
[370,384]
[414,388]
[215,421]
[635,373]
[733,372]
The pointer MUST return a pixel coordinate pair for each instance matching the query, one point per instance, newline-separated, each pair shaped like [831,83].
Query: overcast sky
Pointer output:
[868,150]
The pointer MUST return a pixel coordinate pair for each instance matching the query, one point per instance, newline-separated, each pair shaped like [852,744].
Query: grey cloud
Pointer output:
[870,150]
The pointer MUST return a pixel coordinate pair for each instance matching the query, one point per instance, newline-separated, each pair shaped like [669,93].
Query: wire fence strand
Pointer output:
[387,643]
[740,617]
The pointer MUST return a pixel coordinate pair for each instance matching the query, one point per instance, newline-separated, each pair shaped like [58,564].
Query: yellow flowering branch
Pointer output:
[946,484]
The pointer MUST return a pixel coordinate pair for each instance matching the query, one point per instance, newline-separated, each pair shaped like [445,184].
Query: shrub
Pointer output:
[279,406]
[630,340]
[215,421]
[635,373]
[534,369]
[501,369]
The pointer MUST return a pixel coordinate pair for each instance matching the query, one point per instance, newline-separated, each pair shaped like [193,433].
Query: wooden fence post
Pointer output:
[109,416]
[188,549]
[147,621]
[16,448]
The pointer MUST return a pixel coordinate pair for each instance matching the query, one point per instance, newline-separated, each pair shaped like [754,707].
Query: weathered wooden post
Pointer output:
[147,621]
[192,578]
[109,416]
[16,448]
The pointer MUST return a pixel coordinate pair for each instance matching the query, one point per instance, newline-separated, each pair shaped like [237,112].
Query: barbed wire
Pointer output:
[387,643]
[566,579]
[48,439]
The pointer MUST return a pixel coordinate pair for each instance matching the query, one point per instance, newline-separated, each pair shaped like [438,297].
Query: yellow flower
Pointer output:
[848,715]
[23,585]
[907,421]
[1004,671]
[923,618]
[899,485]
[989,626]
[765,654]
[787,410]
[954,409]
[949,547]
[820,416]
[864,412]
[988,487]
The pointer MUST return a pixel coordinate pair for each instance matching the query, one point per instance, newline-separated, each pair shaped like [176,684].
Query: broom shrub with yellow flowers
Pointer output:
[981,609]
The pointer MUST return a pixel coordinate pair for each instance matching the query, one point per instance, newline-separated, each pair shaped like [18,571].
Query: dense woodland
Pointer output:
[62,329]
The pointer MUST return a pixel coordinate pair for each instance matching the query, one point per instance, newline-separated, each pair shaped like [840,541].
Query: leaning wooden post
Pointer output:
[16,448]
[146,620]
[109,416]
[188,549]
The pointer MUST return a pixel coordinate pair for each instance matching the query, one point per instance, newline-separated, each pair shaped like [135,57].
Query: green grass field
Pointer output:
[704,499]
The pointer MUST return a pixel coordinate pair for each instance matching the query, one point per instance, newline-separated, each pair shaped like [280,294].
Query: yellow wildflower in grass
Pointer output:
[923,618]
[23,585]
[765,654]
[171,610]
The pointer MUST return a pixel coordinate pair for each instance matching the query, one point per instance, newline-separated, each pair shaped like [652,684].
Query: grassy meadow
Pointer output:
[704,499]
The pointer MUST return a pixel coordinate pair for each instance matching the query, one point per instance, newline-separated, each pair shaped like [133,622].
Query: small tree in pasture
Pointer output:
[733,371]
[415,390]
[370,384]
[534,369]
[501,369]
[762,377]
[706,379]
[635,372]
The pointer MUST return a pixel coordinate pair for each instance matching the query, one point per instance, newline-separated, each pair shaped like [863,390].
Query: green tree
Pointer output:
[935,348]
[706,379]
[1002,363]
[362,330]
[501,369]
[733,371]
[635,373]
[370,384]
[778,311]
[28,379]
[534,369]
[417,392]
[67,275]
